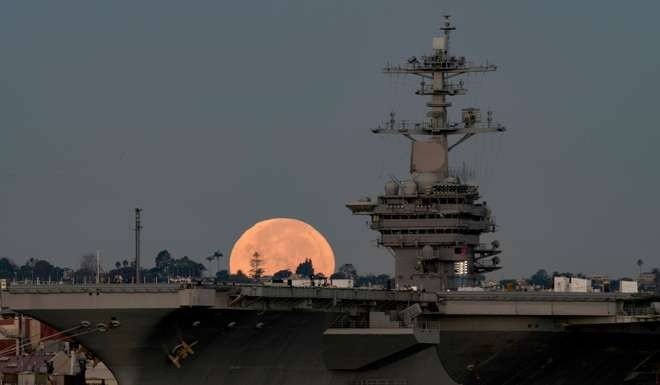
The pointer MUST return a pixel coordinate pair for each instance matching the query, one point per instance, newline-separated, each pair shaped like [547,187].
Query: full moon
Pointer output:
[283,243]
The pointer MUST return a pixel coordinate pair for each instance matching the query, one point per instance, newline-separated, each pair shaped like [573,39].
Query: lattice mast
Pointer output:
[440,67]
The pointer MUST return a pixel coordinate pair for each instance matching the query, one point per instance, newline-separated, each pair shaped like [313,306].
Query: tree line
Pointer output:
[166,267]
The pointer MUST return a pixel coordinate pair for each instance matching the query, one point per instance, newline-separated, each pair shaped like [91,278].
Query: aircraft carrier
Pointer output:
[424,331]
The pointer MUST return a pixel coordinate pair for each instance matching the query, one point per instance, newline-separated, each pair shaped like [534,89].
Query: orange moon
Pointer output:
[283,244]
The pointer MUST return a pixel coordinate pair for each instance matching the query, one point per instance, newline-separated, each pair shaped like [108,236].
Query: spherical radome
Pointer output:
[283,243]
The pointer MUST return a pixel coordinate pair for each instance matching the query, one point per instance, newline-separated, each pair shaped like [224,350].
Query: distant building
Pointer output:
[306,282]
[30,331]
[523,284]
[628,286]
[561,284]
[38,346]
[343,282]
[649,281]
[297,281]
[580,285]
[572,285]
[600,283]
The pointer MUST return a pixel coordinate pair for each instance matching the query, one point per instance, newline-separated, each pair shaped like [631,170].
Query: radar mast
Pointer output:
[432,222]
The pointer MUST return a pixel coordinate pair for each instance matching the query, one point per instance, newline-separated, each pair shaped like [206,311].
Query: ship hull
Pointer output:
[550,358]
[292,347]
[236,347]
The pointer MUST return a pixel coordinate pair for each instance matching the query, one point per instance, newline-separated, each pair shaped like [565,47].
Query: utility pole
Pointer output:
[98,266]
[138,229]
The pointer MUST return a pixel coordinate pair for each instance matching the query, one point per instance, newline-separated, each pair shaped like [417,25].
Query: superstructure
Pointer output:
[433,221]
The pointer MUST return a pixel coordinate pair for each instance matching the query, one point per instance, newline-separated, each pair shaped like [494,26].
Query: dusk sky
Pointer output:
[213,115]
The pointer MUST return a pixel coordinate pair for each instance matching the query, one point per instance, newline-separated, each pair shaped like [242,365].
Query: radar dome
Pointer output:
[409,187]
[391,188]
[426,180]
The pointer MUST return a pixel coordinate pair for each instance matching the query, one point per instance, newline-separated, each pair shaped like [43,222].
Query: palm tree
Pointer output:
[31,263]
[639,264]
[216,255]
[117,265]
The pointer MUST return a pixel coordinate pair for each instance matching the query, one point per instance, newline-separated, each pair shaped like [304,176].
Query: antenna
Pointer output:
[138,230]
[395,179]
[439,71]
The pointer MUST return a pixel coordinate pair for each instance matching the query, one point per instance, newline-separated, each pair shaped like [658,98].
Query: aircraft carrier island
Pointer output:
[423,331]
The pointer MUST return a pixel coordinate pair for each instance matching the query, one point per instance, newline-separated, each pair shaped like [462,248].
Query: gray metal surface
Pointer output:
[243,347]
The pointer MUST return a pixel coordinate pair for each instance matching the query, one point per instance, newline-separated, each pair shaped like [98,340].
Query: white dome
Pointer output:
[391,188]
[409,187]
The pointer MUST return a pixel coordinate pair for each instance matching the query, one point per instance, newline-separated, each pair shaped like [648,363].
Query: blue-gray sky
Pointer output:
[212,115]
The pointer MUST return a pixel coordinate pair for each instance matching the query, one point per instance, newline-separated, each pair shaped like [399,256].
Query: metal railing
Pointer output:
[92,288]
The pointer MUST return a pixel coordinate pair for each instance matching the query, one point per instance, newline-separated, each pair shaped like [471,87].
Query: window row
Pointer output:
[430,216]
[433,201]
[429,231]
